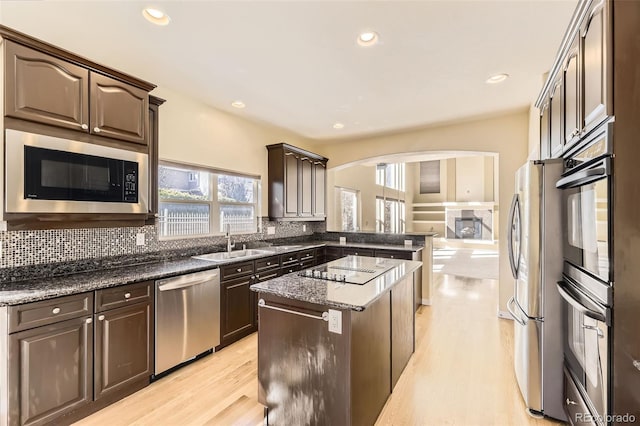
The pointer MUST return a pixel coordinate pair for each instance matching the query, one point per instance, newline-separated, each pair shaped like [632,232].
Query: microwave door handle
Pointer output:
[592,312]
[512,212]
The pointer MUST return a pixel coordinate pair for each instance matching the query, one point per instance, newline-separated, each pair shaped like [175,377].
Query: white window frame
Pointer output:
[215,225]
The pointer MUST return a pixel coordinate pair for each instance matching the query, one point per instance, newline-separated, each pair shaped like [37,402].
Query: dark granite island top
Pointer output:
[340,295]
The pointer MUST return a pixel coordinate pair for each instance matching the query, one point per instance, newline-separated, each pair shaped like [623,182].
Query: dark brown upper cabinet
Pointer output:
[154,140]
[48,85]
[596,59]
[118,110]
[297,183]
[545,122]
[570,84]
[556,118]
[42,88]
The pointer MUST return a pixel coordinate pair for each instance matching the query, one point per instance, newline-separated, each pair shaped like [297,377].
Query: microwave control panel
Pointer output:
[130,182]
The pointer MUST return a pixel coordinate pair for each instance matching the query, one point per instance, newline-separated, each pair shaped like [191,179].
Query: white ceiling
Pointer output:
[296,64]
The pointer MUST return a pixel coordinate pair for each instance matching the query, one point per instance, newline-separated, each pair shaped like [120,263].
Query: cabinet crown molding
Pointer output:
[37,44]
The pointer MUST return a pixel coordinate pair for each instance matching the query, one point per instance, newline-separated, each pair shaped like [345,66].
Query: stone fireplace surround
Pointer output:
[480,215]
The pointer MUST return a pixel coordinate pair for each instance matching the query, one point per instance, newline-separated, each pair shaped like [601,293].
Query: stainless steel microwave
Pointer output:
[46,174]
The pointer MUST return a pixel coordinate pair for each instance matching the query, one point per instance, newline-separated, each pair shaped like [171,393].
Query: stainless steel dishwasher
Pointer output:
[187,317]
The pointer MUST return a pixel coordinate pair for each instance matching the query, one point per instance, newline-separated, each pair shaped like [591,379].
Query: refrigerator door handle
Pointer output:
[512,311]
[512,212]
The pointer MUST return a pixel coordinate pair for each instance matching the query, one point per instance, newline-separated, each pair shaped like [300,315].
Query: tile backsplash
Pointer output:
[38,247]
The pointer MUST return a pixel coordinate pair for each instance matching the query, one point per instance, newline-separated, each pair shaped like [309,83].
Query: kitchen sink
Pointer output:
[238,254]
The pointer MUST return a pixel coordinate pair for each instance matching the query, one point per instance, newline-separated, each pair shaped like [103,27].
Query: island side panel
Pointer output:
[402,327]
[370,361]
[303,372]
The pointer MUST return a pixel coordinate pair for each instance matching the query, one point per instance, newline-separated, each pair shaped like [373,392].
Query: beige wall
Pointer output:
[507,135]
[193,132]
[534,133]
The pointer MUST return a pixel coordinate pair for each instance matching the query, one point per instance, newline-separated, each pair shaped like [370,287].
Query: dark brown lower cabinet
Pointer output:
[123,348]
[50,371]
[238,316]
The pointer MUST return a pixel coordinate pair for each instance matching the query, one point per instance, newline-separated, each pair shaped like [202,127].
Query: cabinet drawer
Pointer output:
[236,270]
[354,251]
[289,259]
[110,298]
[29,315]
[332,253]
[291,268]
[307,264]
[394,254]
[574,405]
[306,255]
[268,274]
[267,263]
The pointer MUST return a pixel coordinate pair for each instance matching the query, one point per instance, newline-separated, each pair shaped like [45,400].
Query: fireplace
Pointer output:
[468,228]
[475,223]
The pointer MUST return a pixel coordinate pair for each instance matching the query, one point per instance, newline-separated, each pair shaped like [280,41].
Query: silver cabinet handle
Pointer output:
[96,129]
[88,320]
[636,364]
[258,276]
[324,317]
[56,311]
[84,126]
[127,295]
[570,402]
[268,263]
[101,318]
[239,270]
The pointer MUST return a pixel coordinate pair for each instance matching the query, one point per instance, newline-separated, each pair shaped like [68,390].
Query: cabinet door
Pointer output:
[118,110]
[50,371]
[545,148]
[319,189]
[123,348]
[291,184]
[594,63]
[306,186]
[238,318]
[571,110]
[45,89]
[555,130]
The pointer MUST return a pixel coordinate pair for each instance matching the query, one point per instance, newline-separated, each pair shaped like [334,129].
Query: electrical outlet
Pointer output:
[408,243]
[140,239]
[271,230]
[343,240]
[0,249]
[335,321]
[304,228]
[3,225]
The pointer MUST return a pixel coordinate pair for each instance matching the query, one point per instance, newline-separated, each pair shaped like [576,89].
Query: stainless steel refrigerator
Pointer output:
[535,254]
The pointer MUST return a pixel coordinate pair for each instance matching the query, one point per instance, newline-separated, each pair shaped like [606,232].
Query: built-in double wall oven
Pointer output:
[586,287]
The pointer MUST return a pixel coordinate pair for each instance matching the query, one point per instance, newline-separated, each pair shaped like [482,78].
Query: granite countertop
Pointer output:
[18,292]
[340,295]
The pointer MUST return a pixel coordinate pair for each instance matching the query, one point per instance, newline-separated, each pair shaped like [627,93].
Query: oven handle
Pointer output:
[583,304]
[599,170]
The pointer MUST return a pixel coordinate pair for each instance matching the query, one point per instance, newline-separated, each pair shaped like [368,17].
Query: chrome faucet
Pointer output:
[230,245]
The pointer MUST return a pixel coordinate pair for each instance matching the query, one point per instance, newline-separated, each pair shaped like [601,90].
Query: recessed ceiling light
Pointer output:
[367,38]
[238,104]
[498,78]
[155,16]
[338,125]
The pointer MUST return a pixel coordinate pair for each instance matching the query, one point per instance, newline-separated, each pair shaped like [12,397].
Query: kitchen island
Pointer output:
[331,351]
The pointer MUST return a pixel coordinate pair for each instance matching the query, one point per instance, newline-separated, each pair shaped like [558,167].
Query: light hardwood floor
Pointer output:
[460,374]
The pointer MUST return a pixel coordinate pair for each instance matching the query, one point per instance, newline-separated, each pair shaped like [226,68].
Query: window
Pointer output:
[390,175]
[349,209]
[390,215]
[196,202]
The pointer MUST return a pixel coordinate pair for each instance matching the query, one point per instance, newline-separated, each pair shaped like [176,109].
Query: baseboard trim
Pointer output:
[504,315]
[426,302]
